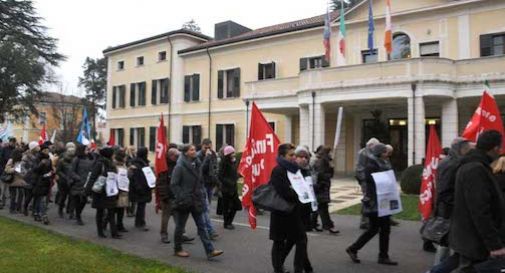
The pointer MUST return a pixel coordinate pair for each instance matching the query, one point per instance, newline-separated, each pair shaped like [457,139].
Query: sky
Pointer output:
[86,27]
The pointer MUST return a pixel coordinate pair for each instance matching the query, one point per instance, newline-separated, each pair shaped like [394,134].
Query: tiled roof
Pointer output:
[57,98]
[302,24]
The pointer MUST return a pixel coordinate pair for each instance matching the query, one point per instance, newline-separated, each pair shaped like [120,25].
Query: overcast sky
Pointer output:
[86,27]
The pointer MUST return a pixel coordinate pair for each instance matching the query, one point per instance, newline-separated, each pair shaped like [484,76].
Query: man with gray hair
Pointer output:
[363,156]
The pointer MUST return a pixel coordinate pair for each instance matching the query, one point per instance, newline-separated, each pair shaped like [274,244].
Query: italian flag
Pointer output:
[388,39]
[341,37]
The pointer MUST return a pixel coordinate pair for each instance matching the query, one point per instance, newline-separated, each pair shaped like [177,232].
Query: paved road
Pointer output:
[248,251]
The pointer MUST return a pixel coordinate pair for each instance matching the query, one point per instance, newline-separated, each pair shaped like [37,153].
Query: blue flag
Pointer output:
[85,131]
[371,27]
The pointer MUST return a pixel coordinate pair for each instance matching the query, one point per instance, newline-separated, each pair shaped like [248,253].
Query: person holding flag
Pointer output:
[85,130]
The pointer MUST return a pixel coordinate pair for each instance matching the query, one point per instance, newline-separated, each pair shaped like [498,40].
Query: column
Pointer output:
[416,130]
[449,121]
[305,125]
[317,130]
[288,133]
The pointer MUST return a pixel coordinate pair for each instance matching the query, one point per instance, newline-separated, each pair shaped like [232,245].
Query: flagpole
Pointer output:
[247,118]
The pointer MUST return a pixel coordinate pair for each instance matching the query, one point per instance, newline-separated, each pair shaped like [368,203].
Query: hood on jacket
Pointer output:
[477,155]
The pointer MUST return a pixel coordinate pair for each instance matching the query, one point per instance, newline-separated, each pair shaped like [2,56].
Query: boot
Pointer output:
[60,212]
[45,220]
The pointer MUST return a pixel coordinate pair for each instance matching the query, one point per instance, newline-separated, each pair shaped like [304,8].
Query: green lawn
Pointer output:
[409,203]
[28,249]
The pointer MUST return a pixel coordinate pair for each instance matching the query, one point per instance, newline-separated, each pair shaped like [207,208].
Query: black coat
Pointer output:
[228,177]
[163,183]
[81,169]
[42,176]
[324,174]
[208,168]
[478,219]
[369,200]
[286,225]
[101,200]
[446,182]
[64,172]
[186,185]
[140,191]
[5,155]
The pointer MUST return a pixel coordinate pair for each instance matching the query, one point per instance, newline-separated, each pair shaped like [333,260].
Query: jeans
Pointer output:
[166,212]
[140,215]
[40,205]
[17,194]
[466,265]
[206,218]
[63,194]
[381,225]
[78,203]
[181,217]
[446,265]
[209,191]
[4,188]
[281,249]
[28,199]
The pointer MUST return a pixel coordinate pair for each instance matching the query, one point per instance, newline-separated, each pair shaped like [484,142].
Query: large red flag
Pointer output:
[429,174]
[112,138]
[160,163]
[43,135]
[258,159]
[486,117]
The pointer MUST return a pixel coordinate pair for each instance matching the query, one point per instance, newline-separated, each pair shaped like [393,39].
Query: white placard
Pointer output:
[111,184]
[388,195]
[150,177]
[310,184]
[301,187]
[17,167]
[123,183]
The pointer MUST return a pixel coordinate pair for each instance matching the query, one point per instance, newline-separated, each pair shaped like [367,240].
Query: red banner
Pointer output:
[258,159]
[112,138]
[429,174]
[160,163]
[486,117]
[43,135]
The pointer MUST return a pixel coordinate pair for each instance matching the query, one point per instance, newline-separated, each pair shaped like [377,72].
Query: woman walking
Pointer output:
[228,176]
[140,192]
[81,170]
[382,225]
[122,202]
[42,187]
[16,188]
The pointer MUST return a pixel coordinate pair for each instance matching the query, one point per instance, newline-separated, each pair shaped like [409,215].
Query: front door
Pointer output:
[398,132]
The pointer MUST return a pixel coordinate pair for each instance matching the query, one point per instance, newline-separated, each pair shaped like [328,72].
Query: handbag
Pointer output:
[122,201]
[7,178]
[435,229]
[99,184]
[265,197]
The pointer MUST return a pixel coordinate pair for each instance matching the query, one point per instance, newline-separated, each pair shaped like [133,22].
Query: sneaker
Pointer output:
[182,254]
[213,236]
[165,240]
[214,253]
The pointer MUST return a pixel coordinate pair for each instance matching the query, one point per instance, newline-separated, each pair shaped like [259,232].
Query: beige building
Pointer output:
[443,51]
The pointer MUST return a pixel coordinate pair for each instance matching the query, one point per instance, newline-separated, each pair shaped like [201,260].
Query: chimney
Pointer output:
[228,29]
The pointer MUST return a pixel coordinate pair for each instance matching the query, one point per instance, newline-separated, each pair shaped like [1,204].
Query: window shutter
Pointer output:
[122,95]
[114,97]
[486,45]
[167,86]
[326,63]
[236,82]
[196,87]
[132,136]
[132,95]
[120,137]
[260,71]
[197,134]
[187,85]
[220,83]
[185,134]
[154,92]
[230,134]
[152,138]
[142,93]
[273,70]
[219,136]
[303,64]
[142,137]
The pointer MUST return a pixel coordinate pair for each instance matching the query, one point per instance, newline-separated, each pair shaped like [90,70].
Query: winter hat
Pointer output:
[107,152]
[379,149]
[70,145]
[142,153]
[33,145]
[228,150]
[301,150]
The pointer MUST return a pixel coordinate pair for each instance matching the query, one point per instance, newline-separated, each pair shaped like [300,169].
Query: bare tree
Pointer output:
[192,25]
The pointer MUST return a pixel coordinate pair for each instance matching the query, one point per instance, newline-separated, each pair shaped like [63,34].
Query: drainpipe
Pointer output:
[247,118]
[413,86]
[170,88]
[210,91]
[313,119]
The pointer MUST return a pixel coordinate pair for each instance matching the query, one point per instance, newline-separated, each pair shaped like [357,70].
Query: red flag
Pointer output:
[429,174]
[160,163]
[258,159]
[112,138]
[43,135]
[486,117]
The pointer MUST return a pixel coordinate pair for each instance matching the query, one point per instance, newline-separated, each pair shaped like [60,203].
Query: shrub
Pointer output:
[411,179]
[238,156]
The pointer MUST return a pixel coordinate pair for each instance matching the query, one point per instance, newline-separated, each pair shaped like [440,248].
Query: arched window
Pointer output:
[401,46]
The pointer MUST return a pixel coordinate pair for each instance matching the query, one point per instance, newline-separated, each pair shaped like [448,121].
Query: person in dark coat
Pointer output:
[28,164]
[478,219]
[5,155]
[123,196]
[82,166]
[164,193]
[42,185]
[381,225]
[287,228]
[228,176]
[324,173]
[65,177]
[101,202]
[140,192]
[186,185]
[16,188]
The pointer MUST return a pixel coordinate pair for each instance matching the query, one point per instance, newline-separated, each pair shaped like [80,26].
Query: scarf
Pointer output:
[289,166]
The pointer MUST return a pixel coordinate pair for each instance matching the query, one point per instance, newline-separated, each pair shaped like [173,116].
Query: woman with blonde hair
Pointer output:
[498,167]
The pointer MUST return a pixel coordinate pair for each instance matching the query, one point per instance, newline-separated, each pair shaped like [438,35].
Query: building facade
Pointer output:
[442,53]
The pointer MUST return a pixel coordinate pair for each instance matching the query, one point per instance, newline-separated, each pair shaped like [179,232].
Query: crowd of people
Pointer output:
[469,192]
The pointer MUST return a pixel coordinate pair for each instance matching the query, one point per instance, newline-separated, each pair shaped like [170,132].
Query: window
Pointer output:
[138,94]
[225,134]
[163,86]
[272,125]
[140,61]
[137,137]
[431,49]
[313,63]
[152,138]
[228,83]
[401,46]
[192,134]
[192,88]
[162,56]
[42,117]
[120,65]
[119,136]
[118,96]
[369,56]
[492,44]
[266,71]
